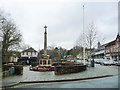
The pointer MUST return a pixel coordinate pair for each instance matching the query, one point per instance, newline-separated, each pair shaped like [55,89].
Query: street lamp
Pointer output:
[118,47]
[118,58]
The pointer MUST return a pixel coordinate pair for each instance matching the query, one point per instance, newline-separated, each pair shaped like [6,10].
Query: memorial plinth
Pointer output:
[45,61]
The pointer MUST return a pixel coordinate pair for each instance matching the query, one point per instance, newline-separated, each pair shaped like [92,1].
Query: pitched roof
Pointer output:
[111,43]
[29,50]
[118,37]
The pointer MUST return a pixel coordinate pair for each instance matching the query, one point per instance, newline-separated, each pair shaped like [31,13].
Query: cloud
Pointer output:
[64,19]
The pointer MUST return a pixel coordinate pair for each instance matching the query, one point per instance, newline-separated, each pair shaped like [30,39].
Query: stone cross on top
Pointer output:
[45,28]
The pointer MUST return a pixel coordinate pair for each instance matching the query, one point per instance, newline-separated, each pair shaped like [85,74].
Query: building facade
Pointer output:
[109,50]
[28,56]
[99,53]
[13,58]
[112,49]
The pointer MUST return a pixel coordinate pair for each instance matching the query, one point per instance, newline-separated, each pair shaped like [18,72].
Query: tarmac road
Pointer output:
[106,82]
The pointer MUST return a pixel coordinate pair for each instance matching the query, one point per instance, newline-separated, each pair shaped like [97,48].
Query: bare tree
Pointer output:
[91,38]
[23,46]
[79,43]
[10,35]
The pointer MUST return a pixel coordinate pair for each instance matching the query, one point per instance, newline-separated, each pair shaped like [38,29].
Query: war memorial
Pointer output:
[45,64]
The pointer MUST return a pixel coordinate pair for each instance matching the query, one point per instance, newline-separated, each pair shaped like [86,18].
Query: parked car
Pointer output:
[30,68]
[107,62]
[99,61]
[117,64]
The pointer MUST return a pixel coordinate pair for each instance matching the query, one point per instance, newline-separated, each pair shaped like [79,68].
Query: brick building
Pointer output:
[112,49]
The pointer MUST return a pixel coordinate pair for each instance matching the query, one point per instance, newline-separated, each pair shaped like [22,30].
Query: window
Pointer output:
[29,53]
[40,61]
[22,53]
[48,61]
[33,53]
[107,50]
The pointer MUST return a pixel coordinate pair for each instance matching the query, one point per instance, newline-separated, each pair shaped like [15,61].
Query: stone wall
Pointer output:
[12,70]
[67,69]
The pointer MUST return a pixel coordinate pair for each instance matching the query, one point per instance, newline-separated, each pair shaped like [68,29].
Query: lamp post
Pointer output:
[83,39]
[118,58]
[118,48]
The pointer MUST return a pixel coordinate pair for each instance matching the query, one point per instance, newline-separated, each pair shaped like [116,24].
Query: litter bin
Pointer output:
[92,63]
[12,70]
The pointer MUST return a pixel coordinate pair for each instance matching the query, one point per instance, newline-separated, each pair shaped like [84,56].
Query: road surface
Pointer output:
[106,82]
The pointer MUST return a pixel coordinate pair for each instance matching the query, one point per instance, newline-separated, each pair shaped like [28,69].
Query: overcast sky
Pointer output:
[64,19]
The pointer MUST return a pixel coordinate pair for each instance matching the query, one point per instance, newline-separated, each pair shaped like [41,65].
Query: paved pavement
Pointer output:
[28,76]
